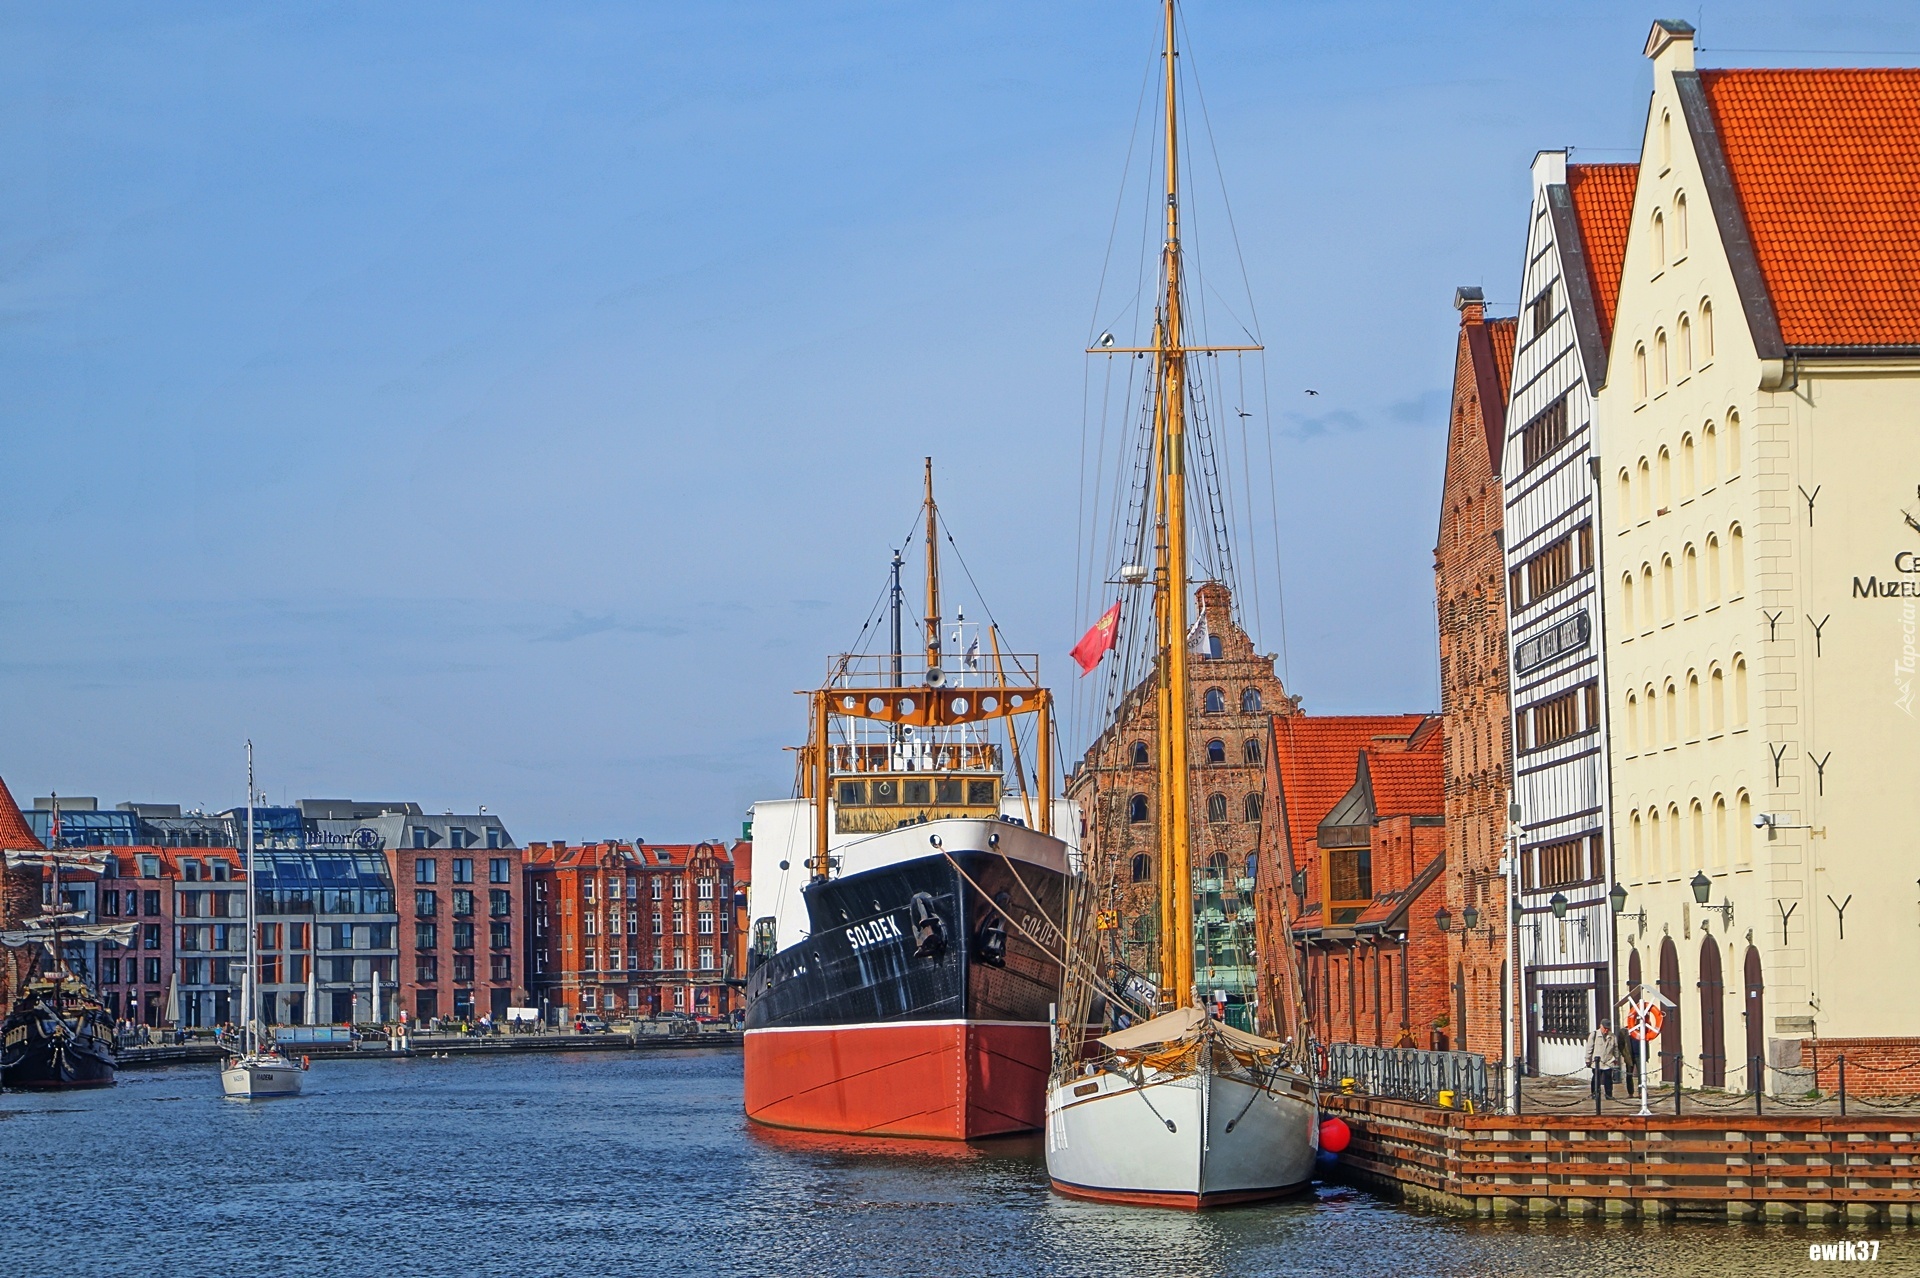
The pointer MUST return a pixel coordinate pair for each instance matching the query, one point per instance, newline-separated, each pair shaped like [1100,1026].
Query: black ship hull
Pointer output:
[917,1005]
[33,1059]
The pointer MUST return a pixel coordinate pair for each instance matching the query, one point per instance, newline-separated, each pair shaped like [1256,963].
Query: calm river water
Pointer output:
[617,1163]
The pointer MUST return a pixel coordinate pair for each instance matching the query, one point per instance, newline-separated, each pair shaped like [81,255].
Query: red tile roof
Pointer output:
[1503,334]
[1408,782]
[15,834]
[1825,166]
[1602,196]
[1316,756]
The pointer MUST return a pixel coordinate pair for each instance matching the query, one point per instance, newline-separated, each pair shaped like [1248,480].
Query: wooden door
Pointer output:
[1750,1011]
[1713,1039]
[1671,1056]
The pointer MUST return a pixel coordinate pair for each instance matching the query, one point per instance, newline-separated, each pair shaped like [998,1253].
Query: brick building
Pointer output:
[1470,583]
[1235,696]
[1354,856]
[620,929]
[19,895]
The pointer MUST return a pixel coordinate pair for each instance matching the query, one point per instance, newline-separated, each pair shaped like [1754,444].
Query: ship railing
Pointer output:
[1405,1073]
[957,670]
[981,757]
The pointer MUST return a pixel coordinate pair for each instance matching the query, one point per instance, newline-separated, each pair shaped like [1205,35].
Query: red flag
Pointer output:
[1094,644]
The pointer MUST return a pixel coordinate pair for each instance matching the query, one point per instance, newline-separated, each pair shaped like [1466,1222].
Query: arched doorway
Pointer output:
[1751,1008]
[1713,1037]
[1671,1056]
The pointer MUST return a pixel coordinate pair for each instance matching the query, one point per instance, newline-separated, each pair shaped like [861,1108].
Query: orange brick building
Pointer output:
[1470,584]
[1356,846]
[623,930]
[19,896]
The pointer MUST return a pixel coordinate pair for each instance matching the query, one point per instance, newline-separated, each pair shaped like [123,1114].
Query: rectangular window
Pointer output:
[149,902]
[593,925]
[633,888]
[1583,543]
[1540,314]
[499,902]
[500,869]
[706,923]
[493,836]
[706,889]
[1563,1013]
[110,971]
[499,934]
[656,889]
[706,958]
[110,903]
[462,967]
[500,967]
[1350,874]
[297,968]
[425,904]
[462,936]
[588,962]
[150,936]
[588,1000]
[426,968]
[680,996]
[586,890]
[657,926]
[425,869]
[1549,570]
[659,958]
[153,970]
[462,901]
[421,837]
[633,922]
[1562,863]
[1543,434]
[426,936]
[1556,720]
[463,869]
[270,969]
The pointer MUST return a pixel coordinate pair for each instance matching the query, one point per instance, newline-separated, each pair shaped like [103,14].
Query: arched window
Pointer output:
[1706,332]
[1250,749]
[1137,809]
[1666,587]
[1733,443]
[1658,244]
[1665,501]
[1656,853]
[1717,700]
[1626,599]
[1719,829]
[1679,227]
[1217,864]
[1693,705]
[1626,495]
[1697,817]
[1640,370]
[1254,803]
[1662,369]
[1687,468]
[1690,582]
[1678,853]
[1216,701]
[1216,751]
[1736,562]
[1713,569]
[1639,848]
[1743,824]
[1739,691]
[1633,723]
[1142,867]
[1644,508]
[1686,345]
[1139,754]
[1253,865]
[1666,140]
[1672,725]
[1250,701]
[1652,698]
[1217,808]
[1709,456]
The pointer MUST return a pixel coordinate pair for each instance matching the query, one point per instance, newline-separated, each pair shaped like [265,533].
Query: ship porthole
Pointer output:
[848,703]
[906,705]
[875,705]
[959,705]
[989,704]
[1016,700]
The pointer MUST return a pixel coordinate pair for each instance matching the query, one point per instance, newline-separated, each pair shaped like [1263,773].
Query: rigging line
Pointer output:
[1246,486]
[1226,202]
[1120,197]
[1273,503]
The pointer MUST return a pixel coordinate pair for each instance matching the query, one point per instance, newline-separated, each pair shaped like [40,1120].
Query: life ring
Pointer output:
[1644,1024]
[305,1061]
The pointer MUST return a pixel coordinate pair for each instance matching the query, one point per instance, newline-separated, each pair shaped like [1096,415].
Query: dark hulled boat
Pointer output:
[57,1036]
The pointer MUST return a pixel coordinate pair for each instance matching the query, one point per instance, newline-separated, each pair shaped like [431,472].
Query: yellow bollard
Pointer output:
[1346,1087]
[1446,1100]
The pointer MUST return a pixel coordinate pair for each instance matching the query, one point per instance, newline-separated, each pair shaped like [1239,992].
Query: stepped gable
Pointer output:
[1602,196]
[1822,172]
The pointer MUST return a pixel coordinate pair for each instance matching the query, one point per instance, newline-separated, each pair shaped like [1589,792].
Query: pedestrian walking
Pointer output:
[1603,1058]
[1629,1049]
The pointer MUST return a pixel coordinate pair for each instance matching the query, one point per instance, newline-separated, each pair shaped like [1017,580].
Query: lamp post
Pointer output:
[1515,988]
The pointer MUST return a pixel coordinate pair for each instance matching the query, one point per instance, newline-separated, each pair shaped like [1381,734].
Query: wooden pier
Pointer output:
[1804,1167]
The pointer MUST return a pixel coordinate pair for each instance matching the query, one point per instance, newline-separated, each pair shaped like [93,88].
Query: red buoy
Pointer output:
[1334,1136]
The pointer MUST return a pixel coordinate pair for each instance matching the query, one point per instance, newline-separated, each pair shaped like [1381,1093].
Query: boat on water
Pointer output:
[57,1034]
[258,1069]
[1175,1107]
[904,959]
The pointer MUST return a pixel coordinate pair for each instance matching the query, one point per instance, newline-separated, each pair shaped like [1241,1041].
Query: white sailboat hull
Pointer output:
[1231,1140]
[258,1077]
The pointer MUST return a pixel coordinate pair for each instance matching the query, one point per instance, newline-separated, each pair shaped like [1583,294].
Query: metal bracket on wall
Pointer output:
[1818,626]
[1840,908]
[1820,770]
[1809,496]
[1786,912]
[1773,620]
[1778,755]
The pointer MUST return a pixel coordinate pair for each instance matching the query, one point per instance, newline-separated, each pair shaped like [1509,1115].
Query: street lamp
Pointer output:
[1702,886]
[1618,900]
[1300,884]
[1443,918]
[1470,918]
[1559,905]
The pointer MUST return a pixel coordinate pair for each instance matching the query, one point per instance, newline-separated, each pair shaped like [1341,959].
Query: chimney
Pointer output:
[1472,305]
[1670,45]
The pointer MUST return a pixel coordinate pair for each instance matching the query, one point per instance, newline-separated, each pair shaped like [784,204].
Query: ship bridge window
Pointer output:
[981,793]
[919,790]
[1137,809]
[852,793]
[886,792]
[949,790]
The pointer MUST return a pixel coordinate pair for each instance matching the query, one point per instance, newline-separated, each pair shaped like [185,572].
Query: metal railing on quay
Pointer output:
[1458,1079]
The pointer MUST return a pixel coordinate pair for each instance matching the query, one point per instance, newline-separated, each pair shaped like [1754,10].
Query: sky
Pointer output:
[513,405]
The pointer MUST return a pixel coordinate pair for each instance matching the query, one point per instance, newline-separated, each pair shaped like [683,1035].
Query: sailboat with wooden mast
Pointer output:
[260,1069]
[1179,1109]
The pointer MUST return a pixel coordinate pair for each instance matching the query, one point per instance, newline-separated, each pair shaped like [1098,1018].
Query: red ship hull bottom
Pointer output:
[1186,1202]
[941,1080]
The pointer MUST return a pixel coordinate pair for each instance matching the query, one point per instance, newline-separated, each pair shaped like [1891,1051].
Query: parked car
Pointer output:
[591,1024]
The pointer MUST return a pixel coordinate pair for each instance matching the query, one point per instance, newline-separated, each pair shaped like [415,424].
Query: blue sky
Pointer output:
[513,404]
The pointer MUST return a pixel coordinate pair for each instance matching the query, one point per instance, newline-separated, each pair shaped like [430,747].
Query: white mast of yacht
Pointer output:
[261,1069]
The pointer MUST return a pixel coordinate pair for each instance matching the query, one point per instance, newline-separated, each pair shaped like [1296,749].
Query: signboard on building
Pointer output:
[1569,635]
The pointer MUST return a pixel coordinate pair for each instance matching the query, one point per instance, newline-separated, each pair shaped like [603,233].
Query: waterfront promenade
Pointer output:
[444,1044]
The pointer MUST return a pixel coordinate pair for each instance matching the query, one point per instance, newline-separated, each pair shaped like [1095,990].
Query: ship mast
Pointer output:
[1176,783]
[933,585]
[251,989]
